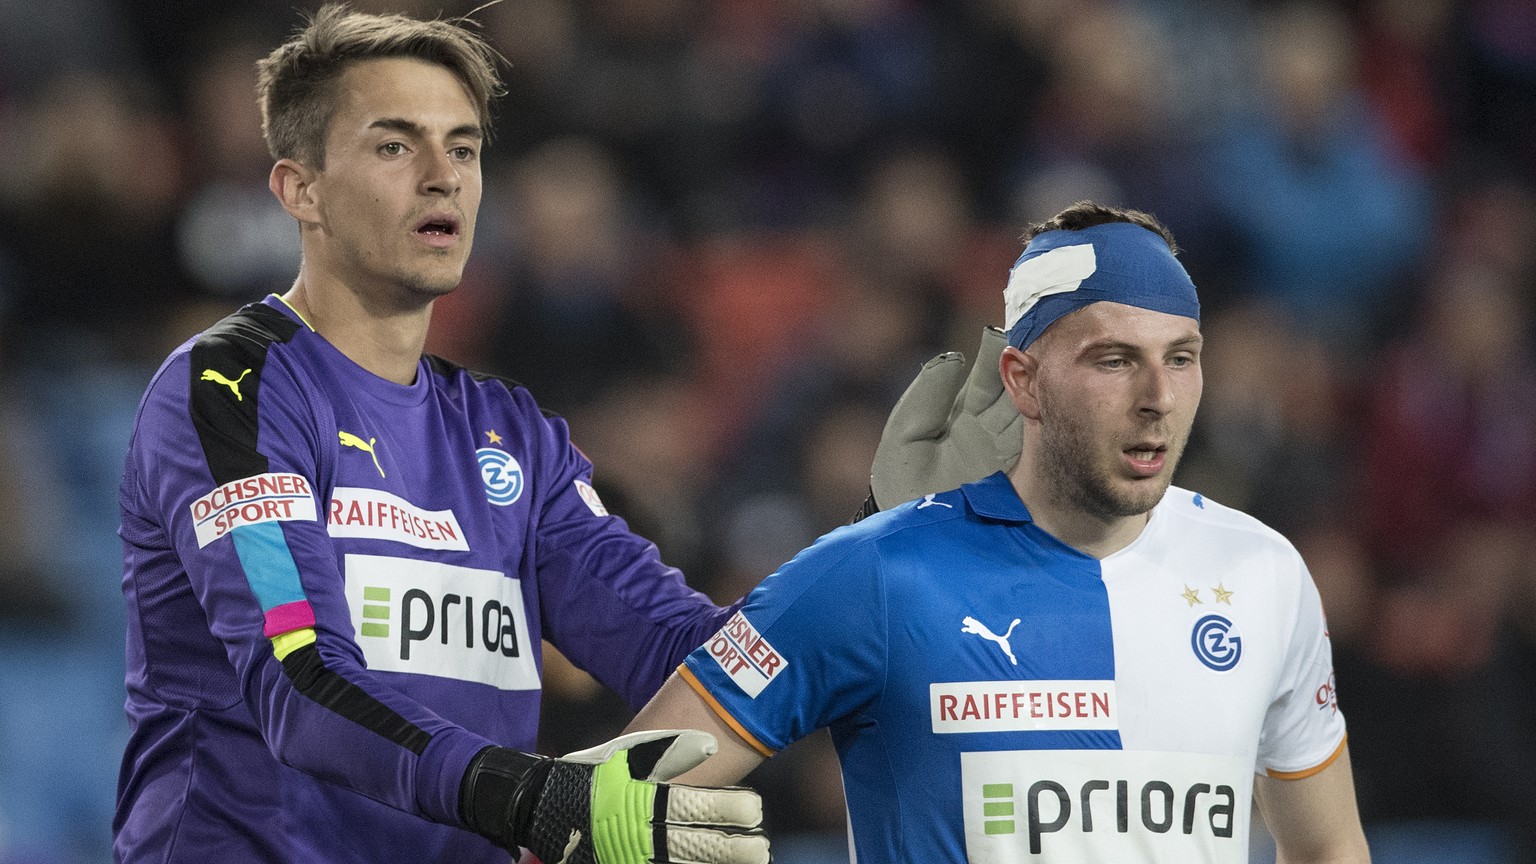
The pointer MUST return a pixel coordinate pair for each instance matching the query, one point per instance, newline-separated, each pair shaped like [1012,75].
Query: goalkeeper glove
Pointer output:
[606,805]
[948,428]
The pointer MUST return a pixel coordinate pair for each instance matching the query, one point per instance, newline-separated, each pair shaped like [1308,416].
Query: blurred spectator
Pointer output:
[1496,102]
[572,286]
[1449,501]
[1454,536]
[86,208]
[232,235]
[1330,214]
[1404,48]
[1271,437]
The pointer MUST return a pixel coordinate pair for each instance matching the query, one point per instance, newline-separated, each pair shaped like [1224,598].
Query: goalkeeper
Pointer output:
[341,555]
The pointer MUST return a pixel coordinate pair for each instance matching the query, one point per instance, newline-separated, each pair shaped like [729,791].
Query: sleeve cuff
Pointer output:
[1308,772]
[725,716]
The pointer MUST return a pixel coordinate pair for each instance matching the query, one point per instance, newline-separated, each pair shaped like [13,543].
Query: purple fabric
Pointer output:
[227,759]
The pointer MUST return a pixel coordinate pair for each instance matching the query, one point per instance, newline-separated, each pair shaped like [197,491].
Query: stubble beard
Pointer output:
[1075,475]
[415,287]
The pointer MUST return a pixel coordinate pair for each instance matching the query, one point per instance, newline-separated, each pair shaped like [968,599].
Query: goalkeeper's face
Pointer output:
[1115,394]
[392,213]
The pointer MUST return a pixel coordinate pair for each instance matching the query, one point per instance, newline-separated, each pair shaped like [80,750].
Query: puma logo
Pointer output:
[234,386]
[980,629]
[350,440]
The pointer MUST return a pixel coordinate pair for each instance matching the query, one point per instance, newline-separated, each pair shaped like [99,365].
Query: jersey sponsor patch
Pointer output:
[431,618]
[1089,806]
[589,496]
[380,515]
[1021,706]
[745,655]
[252,501]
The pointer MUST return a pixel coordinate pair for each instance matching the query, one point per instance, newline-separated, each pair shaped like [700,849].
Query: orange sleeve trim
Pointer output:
[714,705]
[1308,772]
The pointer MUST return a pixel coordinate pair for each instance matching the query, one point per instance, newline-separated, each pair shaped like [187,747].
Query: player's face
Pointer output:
[401,185]
[1118,388]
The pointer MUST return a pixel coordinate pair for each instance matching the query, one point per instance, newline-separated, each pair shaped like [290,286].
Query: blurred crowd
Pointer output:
[720,236]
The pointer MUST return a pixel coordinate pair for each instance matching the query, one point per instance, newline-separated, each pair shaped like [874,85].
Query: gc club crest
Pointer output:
[1217,642]
[502,476]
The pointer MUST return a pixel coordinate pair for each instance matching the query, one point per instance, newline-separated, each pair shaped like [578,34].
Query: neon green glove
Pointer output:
[948,429]
[607,805]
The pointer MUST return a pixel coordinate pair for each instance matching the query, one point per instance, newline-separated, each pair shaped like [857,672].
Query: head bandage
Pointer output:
[1063,271]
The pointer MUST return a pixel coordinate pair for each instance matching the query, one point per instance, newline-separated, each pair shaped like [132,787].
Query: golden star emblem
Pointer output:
[1222,594]
[1191,594]
[494,438]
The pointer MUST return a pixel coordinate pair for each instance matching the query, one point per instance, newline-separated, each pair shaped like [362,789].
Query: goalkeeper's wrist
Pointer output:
[498,793]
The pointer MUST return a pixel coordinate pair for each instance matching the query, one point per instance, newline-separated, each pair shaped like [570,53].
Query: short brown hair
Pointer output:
[296,82]
[1086,214]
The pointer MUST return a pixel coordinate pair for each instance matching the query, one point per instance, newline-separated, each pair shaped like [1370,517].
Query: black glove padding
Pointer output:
[607,805]
[949,428]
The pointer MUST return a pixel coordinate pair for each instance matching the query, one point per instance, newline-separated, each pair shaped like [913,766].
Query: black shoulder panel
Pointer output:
[448,369]
[226,381]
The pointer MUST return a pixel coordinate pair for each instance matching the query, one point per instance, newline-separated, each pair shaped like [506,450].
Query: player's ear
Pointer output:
[1020,372]
[293,184]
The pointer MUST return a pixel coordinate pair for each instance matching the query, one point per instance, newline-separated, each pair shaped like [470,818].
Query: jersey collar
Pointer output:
[994,498]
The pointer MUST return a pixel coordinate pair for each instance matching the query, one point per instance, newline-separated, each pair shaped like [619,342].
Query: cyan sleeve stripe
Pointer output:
[268,564]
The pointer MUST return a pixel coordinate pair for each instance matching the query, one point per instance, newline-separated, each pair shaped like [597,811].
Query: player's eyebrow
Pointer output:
[408,127]
[1193,340]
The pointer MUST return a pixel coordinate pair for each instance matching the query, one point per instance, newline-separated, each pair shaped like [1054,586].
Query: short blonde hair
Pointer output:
[296,82]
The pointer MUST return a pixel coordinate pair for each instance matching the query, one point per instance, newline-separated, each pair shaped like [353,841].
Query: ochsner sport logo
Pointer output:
[251,501]
[1088,806]
[431,618]
[745,655]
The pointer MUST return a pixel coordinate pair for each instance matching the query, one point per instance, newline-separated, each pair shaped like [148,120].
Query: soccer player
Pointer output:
[1072,661]
[341,556]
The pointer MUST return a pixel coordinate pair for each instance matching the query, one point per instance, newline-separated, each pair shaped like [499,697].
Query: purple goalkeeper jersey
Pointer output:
[337,587]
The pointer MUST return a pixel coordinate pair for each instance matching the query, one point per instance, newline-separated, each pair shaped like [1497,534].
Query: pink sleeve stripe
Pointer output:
[288,617]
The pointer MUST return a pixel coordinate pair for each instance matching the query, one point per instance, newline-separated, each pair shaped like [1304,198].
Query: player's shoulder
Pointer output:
[853,557]
[1216,522]
[922,526]
[463,382]
[919,515]
[253,328]
[225,349]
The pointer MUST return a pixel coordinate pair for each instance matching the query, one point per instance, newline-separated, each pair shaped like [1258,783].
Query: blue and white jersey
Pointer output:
[997,696]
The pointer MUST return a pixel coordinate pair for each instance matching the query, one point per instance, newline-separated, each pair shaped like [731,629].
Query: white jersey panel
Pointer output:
[1214,612]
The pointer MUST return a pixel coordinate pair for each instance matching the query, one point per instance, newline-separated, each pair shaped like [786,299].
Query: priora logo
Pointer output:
[432,618]
[1106,806]
[491,625]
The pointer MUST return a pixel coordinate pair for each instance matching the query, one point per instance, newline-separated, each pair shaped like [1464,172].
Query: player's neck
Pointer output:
[386,340]
[1063,518]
